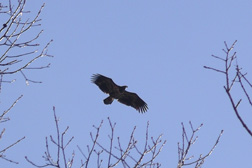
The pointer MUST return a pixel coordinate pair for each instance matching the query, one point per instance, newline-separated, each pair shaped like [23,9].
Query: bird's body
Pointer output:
[118,92]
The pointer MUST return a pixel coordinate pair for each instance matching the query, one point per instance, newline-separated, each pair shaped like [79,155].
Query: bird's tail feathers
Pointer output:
[108,100]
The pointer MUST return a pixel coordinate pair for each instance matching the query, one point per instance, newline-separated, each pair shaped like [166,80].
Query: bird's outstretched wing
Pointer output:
[104,83]
[133,100]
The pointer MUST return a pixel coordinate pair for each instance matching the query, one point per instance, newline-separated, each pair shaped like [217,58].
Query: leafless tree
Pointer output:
[233,74]
[18,51]
[128,156]
[3,119]
[113,152]
[60,160]
[185,146]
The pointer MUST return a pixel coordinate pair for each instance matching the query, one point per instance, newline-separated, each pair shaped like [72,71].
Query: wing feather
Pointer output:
[133,100]
[104,83]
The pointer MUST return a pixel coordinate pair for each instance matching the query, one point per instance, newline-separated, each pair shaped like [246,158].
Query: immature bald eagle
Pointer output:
[118,92]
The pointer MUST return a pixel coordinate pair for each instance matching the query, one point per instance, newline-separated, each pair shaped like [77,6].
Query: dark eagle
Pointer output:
[118,92]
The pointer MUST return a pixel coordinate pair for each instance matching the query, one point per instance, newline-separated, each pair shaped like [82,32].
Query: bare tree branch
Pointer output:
[183,151]
[2,119]
[124,156]
[60,148]
[10,41]
[232,79]
[2,151]
[240,77]
[17,51]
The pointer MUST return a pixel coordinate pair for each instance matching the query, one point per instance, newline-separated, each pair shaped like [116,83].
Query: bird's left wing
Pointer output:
[133,100]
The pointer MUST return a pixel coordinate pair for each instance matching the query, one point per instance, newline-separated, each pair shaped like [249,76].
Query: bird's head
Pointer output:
[122,88]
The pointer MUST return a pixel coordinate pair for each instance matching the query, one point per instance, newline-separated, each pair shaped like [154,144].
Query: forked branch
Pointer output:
[60,146]
[129,156]
[186,145]
[16,55]
[233,76]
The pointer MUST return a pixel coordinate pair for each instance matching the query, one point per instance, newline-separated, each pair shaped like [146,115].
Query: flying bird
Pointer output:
[118,92]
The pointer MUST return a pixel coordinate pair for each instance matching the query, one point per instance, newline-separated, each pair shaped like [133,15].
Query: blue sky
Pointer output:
[158,49]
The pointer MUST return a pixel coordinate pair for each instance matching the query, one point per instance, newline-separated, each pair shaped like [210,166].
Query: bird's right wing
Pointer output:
[104,83]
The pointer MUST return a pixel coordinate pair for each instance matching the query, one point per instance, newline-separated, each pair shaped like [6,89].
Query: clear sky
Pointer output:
[156,48]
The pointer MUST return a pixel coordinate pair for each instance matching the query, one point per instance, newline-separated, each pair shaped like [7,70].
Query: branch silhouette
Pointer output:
[229,61]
